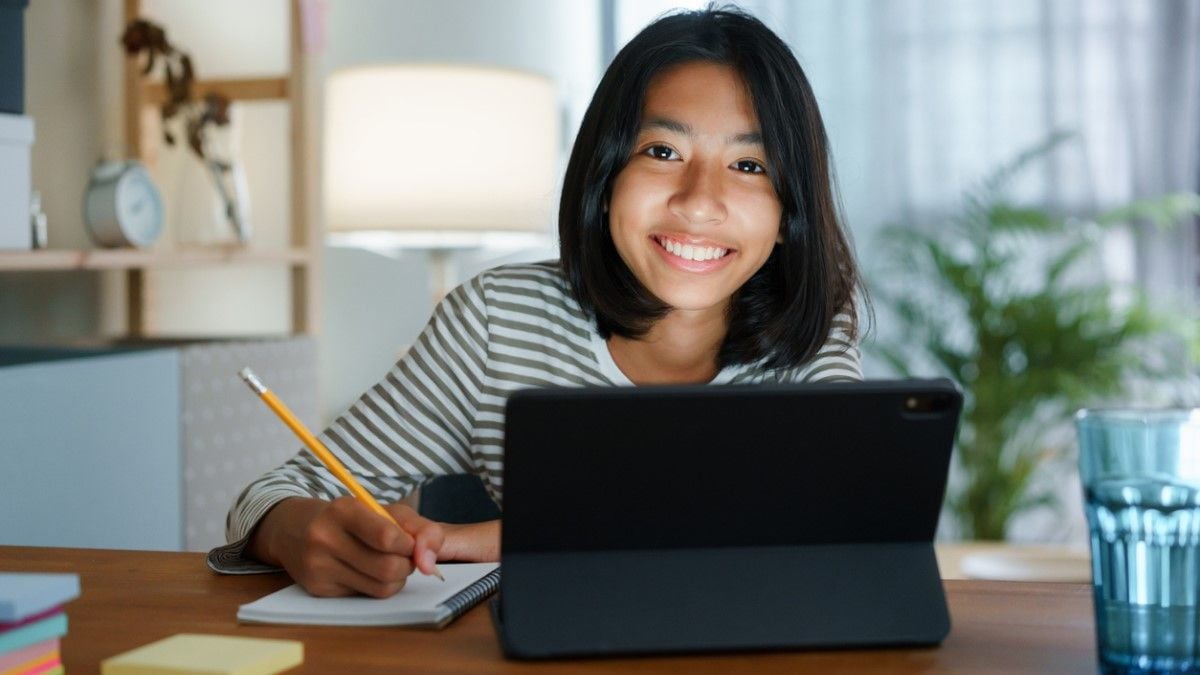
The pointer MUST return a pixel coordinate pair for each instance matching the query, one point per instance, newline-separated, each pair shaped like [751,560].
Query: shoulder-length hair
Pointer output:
[783,314]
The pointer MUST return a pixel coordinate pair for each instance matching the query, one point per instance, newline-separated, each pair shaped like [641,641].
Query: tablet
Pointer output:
[706,518]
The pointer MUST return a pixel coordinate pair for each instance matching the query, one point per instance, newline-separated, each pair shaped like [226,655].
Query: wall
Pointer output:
[375,306]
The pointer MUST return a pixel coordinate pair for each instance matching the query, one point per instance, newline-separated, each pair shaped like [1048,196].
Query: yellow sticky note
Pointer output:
[209,654]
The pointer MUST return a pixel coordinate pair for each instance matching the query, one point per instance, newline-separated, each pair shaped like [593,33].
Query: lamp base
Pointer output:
[440,244]
[441,273]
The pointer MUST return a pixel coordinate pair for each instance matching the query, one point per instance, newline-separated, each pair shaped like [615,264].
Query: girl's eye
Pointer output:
[749,166]
[660,152]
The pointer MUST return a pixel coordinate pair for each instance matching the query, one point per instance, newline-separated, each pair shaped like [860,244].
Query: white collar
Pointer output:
[608,366]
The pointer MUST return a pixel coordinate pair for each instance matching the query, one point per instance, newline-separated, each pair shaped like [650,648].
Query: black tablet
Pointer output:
[737,517]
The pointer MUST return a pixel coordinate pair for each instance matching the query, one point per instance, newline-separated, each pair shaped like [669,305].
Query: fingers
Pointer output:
[371,571]
[428,538]
[339,579]
[327,589]
[348,577]
[349,549]
[417,538]
[370,528]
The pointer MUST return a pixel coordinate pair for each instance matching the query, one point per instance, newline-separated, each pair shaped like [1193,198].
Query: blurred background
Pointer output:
[1018,179]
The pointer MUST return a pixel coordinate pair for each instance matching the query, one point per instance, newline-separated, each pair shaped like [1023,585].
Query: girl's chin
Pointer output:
[691,302]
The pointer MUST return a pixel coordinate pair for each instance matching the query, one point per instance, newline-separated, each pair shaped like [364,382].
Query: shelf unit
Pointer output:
[133,259]
[142,100]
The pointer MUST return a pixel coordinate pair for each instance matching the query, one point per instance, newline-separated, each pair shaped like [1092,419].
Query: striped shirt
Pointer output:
[440,409]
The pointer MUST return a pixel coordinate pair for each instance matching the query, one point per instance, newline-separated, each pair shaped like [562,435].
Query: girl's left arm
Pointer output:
[474,542]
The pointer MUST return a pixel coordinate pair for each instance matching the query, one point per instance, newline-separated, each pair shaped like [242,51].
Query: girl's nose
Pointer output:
[697,198]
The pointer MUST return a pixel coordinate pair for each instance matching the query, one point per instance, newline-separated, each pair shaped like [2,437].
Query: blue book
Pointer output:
[32,633]
[23,595]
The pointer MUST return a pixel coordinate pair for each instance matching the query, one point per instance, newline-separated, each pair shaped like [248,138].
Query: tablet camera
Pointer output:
[928,404]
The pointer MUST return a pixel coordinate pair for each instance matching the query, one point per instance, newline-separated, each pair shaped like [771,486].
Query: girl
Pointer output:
[700,243]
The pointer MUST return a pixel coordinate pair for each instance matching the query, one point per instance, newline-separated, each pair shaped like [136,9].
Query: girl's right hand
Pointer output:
[342,547]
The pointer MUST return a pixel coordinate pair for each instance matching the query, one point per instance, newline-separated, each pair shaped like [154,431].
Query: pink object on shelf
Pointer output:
[312,25]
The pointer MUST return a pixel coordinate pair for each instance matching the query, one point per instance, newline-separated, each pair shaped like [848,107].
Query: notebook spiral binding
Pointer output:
[472,595]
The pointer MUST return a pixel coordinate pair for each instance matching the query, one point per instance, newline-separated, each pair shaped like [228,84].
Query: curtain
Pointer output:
[922,98]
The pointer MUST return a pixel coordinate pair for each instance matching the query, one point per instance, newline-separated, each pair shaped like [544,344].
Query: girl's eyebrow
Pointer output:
[744,138]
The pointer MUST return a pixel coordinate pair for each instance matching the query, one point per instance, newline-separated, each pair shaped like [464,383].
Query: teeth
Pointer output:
[690,252]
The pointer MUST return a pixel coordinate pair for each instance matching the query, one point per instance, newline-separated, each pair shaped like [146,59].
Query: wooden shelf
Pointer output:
[136,259]
[143,96]
[251,89]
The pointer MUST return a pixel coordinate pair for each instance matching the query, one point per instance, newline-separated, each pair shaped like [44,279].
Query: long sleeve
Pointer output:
[838,360]
[412,425]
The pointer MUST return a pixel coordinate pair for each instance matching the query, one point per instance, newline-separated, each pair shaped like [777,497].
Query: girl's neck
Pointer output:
[680,349]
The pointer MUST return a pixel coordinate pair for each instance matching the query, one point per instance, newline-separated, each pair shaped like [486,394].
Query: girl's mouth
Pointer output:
[692,257]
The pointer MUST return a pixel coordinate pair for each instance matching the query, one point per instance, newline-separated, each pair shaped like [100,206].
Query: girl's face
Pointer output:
[693,214]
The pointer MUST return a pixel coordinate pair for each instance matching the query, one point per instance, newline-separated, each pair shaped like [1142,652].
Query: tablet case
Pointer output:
[708,518]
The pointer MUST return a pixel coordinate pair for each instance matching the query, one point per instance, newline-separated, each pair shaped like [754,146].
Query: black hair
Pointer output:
[784,313]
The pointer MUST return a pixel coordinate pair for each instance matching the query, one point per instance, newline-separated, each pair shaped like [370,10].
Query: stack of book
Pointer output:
[32,621]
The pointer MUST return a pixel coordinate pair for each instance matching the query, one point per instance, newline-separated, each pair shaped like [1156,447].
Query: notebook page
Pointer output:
[417,603]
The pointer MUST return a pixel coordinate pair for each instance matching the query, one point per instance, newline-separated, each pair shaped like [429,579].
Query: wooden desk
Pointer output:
[131,598]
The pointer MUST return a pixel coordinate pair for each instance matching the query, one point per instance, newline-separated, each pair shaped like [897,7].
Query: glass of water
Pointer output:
[1141,481]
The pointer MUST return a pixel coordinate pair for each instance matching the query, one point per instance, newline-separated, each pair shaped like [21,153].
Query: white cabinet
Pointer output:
[140,448]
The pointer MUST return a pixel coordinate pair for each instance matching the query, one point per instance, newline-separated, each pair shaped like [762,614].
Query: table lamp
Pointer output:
[439,157]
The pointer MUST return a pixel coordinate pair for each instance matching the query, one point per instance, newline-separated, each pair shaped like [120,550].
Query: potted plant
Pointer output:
[993,298]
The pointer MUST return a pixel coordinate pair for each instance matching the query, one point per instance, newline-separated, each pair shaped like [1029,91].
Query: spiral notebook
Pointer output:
[424,601]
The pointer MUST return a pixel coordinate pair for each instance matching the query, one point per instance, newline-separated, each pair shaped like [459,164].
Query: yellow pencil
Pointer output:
[318,448]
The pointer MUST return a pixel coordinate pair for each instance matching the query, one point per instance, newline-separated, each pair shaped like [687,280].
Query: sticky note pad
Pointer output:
[210,654]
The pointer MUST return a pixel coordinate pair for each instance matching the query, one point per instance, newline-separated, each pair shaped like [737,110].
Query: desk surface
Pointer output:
[131,598]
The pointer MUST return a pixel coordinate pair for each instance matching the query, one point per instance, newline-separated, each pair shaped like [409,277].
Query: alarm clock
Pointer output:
[122,206]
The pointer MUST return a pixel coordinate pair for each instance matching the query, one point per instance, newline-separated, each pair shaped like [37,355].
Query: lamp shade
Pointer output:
[429,148]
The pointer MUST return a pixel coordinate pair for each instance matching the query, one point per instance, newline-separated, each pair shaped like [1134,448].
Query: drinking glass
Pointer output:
[1140,471]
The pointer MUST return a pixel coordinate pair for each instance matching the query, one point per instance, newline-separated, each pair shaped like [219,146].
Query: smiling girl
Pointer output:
[700,243]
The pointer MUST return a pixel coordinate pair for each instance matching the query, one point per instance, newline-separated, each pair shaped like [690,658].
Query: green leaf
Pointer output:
[1163,212]
[1063,261]
[1037,347]
[1008,218]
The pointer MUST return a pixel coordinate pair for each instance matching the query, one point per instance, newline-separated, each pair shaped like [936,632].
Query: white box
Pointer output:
[16,139]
